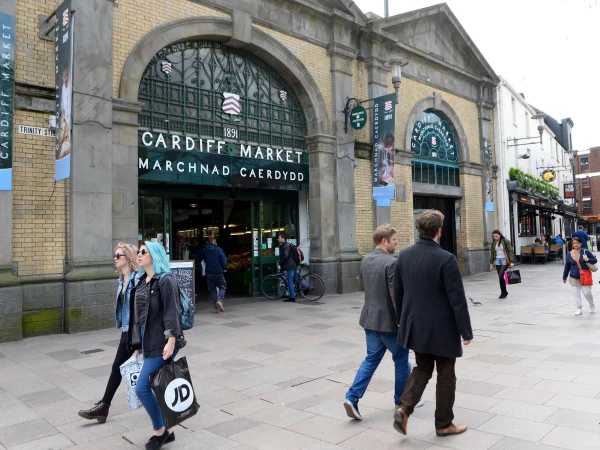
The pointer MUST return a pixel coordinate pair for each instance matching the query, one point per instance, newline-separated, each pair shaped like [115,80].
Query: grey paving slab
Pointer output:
[575,419]
[206,417]
[472,418]
[203,440]
[43,397]
[563,387]
[337,344]
[307,402]
[236,325]
[83,431]
[261,389]
[525,395]
[583,404]
[522,410]
[271,318]
[327,429]
[294,382]
[244,408]
[269,374]
[572,439]
[268,437]
[469,440]
[55,442]
[508,443]
[514,381]
[281,416]
[517,428]
[26,385]
[268,348]
[66,355]
[19,433]
[236,365]
[495,359]
[234,426]
[381,440]
[319,326]
[475,387]
[221,397]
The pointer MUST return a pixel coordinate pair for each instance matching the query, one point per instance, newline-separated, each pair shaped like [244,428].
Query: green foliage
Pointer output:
[527,181]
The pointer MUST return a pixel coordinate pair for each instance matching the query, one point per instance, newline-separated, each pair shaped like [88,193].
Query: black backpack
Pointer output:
[296,254]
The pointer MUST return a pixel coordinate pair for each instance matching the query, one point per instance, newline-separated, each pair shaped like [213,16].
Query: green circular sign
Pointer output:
[358,117]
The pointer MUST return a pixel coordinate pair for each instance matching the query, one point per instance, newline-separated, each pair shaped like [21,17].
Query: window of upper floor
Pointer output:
[513,104]
[584,160]
[527,129]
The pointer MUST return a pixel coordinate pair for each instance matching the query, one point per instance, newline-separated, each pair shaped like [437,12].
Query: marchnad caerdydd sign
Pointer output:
[183,159]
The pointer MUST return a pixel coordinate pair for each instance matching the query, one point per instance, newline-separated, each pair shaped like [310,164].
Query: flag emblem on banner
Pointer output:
[283,95]
[387,106]
[231,104]
[166,67]
[65,17]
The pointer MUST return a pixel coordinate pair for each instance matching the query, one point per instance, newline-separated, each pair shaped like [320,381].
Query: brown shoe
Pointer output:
[98,412]
[452,429]
[400,421]
[220,307]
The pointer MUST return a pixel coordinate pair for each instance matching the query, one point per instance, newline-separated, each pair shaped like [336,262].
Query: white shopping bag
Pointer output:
[130,371]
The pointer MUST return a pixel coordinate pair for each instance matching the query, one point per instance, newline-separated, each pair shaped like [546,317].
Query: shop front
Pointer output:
[222,153]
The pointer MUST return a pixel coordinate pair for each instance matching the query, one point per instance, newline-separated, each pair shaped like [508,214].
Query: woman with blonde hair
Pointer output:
[125,256]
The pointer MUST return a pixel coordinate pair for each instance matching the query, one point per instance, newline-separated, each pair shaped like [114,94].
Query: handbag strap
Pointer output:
[577,261]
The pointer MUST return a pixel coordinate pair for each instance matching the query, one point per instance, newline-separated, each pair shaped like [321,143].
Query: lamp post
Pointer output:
[540,121]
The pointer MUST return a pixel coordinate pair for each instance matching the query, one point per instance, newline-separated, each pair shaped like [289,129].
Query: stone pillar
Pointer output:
[125,172]
[485,106]
[378,87]
[341,81]
[91,277]
[322,209]
[11,307]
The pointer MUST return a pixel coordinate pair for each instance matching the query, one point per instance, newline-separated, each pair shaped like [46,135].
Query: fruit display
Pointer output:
[239,261]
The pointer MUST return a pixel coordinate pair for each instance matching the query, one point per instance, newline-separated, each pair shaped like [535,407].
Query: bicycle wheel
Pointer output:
[312,287]
[273,287]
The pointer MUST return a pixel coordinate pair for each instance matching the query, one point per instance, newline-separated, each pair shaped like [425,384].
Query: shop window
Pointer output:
[583,160]
[527,221]
[545,223]
[435,152]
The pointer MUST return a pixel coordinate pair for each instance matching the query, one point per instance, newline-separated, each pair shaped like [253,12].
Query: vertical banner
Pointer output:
[7,88]
[63,48]
[384,125]
[487,175]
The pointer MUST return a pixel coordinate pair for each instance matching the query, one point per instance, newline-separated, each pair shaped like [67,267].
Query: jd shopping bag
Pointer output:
[174,391]
[130,371]
[514,276]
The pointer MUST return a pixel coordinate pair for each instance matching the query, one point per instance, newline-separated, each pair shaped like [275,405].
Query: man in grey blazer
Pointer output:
[378,318]
[432,317]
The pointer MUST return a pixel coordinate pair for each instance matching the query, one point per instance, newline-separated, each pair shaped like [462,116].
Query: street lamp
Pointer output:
[540,120]
[396,64]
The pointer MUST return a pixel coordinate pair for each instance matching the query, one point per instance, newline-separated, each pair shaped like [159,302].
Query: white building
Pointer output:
[524,210]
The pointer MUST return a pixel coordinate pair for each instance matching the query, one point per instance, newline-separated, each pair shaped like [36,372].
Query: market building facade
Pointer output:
[226,118]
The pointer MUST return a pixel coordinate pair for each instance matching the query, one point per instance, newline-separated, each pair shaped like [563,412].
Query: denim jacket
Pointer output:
[122,312]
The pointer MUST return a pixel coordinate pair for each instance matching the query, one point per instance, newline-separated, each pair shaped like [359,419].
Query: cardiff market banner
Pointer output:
[63,60]
[7,88]
[384,125]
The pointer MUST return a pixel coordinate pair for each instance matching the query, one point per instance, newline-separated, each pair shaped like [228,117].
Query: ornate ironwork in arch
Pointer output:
[436,154]
[183,85]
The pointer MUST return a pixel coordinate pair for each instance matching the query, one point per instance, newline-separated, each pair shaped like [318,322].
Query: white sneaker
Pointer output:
[578,312]
[421,403]
[352,410]
[592,307]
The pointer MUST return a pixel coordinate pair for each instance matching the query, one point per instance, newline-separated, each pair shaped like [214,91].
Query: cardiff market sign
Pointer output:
[174,158]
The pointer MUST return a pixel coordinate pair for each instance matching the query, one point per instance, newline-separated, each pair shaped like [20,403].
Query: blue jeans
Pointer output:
[144,391]
[377,343]
[290,281]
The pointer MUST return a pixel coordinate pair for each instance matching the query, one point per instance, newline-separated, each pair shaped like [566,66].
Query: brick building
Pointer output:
[150,77]
[587,179]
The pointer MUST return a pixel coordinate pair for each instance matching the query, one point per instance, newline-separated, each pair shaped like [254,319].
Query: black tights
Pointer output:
[123,354]
[501,270]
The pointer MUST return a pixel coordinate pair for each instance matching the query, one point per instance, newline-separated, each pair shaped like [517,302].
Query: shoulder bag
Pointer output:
[592,267]
[585,276]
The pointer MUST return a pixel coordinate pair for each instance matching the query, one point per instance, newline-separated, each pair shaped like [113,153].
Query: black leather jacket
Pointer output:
[163,312]
[285,257]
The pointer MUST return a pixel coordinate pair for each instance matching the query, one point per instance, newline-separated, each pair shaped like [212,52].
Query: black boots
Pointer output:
[98,412]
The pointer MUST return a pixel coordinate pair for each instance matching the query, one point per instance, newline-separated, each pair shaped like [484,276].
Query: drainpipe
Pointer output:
[386,8]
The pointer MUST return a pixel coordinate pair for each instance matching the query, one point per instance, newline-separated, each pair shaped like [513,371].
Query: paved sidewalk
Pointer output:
[273,375]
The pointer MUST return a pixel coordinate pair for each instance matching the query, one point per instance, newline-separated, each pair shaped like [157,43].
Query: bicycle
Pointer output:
[311,286]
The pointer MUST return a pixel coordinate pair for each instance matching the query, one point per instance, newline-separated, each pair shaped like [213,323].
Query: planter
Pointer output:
[511,185]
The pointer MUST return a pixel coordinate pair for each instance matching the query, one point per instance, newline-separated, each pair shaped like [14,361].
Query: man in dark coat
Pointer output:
[432,316]
[287,264]
[215,266]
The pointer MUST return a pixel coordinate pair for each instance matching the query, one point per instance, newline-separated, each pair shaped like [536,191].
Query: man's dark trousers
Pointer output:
[445,387]
[216,281]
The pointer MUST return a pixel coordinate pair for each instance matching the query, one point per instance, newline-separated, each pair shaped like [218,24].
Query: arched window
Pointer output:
[435,159]
[183,85]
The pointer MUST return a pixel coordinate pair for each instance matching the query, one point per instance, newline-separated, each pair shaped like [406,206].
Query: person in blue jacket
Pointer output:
[215,266]
[571,273]
[582,235]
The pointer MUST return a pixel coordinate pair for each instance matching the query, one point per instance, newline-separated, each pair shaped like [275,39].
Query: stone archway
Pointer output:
[436,103]
[222,29]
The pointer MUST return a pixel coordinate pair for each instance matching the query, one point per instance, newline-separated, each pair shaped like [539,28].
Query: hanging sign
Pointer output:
[569,190]
[358,117]
[7,88]
[384,125]
[548,175]
[63,40]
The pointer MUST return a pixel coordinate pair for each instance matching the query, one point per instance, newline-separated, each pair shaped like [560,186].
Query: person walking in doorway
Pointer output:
[577,260]
[288,264]
[433,315]
[598,237]
[125,256]
[379,320]
[215,267]
[502,256]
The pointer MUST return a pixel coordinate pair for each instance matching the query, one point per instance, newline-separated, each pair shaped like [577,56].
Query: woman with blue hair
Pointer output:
[158,313]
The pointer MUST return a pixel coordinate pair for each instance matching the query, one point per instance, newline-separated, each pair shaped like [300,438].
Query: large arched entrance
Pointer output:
[221,144]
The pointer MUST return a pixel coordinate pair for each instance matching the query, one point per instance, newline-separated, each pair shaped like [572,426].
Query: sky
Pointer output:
[547,49]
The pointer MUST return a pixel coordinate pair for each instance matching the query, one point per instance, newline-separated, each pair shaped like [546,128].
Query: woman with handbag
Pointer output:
[502,255]
[157,313]
[125,256]
[578,263]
